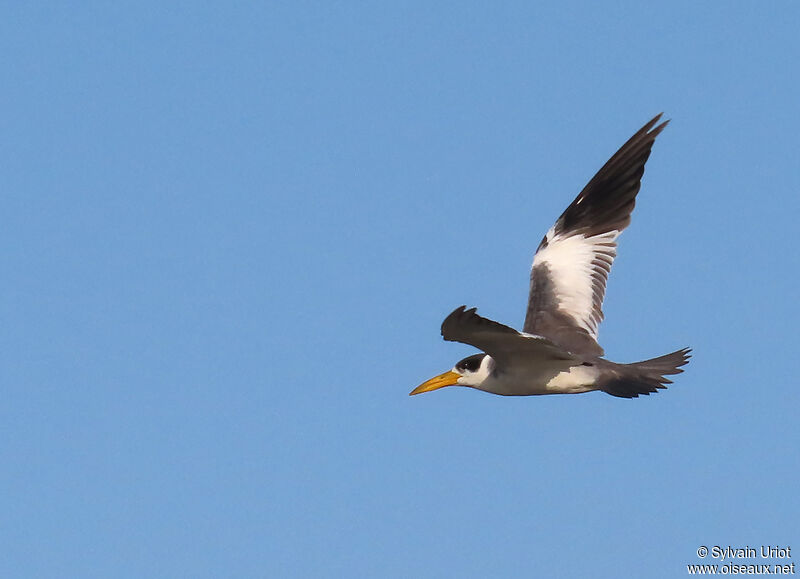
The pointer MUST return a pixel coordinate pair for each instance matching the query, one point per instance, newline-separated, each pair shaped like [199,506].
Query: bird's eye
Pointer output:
[471,364]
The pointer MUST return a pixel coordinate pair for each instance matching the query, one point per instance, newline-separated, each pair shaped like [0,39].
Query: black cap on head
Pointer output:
[470,363]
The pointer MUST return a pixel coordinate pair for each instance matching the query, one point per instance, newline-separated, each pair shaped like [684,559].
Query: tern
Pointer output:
[557,351]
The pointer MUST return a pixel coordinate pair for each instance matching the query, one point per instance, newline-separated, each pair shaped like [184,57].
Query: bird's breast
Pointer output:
[543,379]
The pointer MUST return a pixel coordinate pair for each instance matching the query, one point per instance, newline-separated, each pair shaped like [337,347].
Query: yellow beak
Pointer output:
[440,381]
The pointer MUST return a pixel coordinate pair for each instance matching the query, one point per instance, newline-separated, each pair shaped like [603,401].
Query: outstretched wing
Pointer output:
[500,342]
[572,263]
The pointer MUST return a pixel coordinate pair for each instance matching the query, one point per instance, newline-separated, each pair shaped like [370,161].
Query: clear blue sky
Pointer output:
[230,232]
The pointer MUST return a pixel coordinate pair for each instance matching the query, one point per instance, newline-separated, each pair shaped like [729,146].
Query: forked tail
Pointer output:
[631,380]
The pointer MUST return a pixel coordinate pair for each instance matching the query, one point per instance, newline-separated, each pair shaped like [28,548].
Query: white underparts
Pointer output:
[540,377]
[574,381]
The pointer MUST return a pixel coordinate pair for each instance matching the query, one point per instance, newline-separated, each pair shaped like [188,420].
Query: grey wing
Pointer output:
[502,343]
[572,263]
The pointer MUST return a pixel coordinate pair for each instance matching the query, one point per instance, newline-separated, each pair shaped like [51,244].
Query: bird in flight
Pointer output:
[557,351]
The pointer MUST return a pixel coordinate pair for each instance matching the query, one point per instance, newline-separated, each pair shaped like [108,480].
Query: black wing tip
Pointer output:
[648,132]
[454,325]
[457,315]
[460,311]
[682,358]
[607,200]
[651,124]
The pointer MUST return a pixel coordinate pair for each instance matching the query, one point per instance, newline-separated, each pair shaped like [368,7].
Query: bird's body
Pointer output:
[533,376]
[557,351]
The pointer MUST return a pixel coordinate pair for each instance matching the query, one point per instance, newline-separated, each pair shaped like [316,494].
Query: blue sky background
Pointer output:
[230,232]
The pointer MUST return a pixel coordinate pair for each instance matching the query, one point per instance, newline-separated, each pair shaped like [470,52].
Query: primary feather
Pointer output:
[571,265]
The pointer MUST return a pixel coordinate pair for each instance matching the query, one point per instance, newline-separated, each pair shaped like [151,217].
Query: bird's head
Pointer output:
[471,371]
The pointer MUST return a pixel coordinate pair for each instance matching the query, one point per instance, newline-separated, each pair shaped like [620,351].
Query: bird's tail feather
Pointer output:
[631,380]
